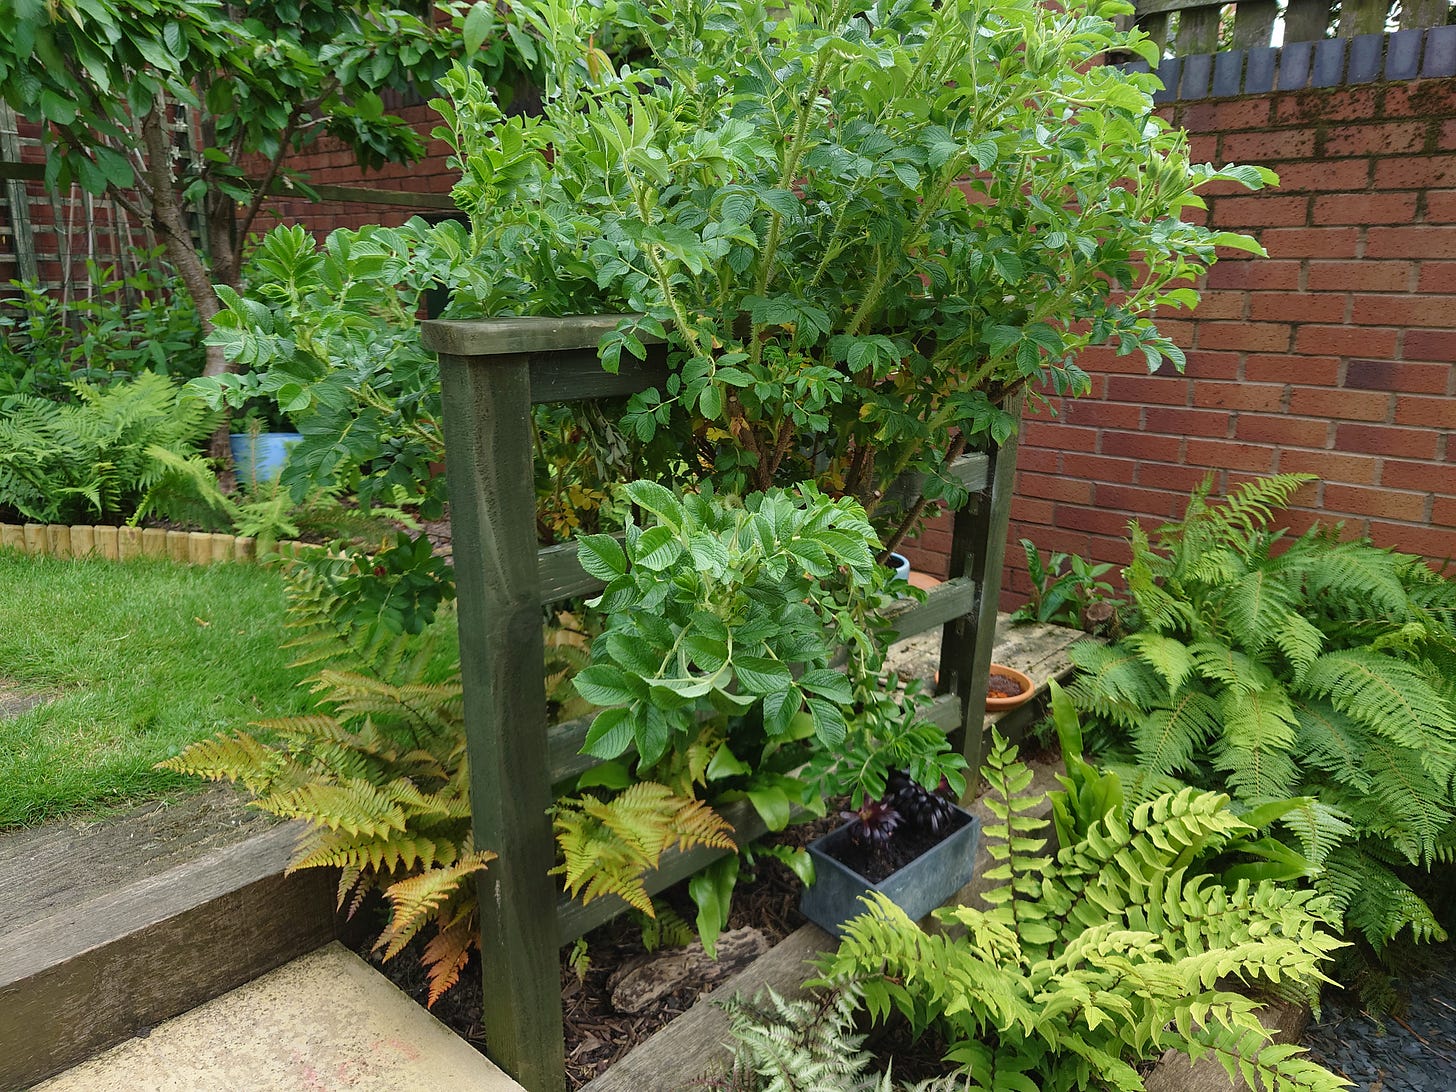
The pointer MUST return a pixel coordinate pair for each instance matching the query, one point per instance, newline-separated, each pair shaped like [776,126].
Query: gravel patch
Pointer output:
[1414,1052]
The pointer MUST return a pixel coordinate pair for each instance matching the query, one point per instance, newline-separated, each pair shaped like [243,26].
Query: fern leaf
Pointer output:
[356,807]
[1169,657]
[1171,739]
[1258,743]
[238,758]
[447,953]
[608,846]
[1391,698]
[1374,899]
[413,901]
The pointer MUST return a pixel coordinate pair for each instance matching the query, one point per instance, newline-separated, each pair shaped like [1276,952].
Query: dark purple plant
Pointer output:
[918,806]
[873,824]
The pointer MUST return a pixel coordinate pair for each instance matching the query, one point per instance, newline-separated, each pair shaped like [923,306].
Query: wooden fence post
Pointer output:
[977,551]
[488,438]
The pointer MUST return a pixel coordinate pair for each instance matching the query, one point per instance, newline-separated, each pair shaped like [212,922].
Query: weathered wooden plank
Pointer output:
[579,376]
[575,918]
[83,541]
[488,437]
[1306,20]
[516,336]
[367,195]
[87,977]
[1419,14]
[179,545]
[1146,8]
[46,869]
[22,172]
[943,603]
[1198,31]
[1155,26]
[560,353]
[563,747]
[561,575]
[1362,17]
[1254,23]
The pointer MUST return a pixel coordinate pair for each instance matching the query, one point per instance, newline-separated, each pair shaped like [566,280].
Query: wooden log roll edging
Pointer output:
[124,543]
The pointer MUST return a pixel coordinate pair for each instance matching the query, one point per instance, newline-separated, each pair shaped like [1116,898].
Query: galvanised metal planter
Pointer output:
[917,888]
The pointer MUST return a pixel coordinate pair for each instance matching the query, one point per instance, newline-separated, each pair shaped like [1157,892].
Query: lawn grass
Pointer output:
[138,659]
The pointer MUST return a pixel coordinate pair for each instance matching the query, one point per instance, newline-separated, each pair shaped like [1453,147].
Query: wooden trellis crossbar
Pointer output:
[492,372]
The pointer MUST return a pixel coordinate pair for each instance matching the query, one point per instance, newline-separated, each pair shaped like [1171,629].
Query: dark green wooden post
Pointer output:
[488,440]
[978,551]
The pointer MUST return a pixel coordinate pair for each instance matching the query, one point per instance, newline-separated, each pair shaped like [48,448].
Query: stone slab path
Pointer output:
[326,1022]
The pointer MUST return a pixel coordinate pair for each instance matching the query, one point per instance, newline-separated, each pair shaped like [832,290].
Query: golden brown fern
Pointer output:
[381,780]
[609,845]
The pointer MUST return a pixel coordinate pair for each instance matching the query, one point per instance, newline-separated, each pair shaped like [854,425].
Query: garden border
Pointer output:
[126,543]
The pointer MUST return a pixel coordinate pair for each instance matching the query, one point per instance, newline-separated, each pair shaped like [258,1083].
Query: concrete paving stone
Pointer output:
[326,1022]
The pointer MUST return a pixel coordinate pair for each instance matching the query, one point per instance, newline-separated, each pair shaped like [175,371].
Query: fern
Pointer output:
[1318,667]
[804,1044]
[610,845]
[379,775]
[378,772]
[120,452]
[1126,957]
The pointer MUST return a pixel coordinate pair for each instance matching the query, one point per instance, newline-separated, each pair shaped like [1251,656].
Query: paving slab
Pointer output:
[326,1022]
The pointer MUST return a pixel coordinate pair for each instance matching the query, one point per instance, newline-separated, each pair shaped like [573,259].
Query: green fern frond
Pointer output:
[382,856]
[1168,740]
[1115,682]
[1258,742]
[1219,663]
[1256,605]
[355,807]
[1129,962]
[1374,900]
[1389,697]
[609,845]
[1168,656]
[239,758]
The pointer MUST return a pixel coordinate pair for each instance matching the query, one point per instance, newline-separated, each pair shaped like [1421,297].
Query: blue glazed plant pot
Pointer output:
[917,888]
[260,457]
[901,564]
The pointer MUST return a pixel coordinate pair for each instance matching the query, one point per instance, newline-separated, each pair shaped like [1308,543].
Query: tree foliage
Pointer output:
[174,105]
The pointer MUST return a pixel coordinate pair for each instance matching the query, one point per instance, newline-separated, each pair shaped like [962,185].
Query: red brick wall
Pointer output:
[1336,355]
[329,163]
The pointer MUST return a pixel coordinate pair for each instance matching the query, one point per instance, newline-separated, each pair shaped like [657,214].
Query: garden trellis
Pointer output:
[492,373]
